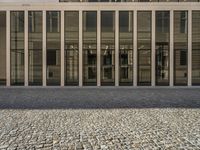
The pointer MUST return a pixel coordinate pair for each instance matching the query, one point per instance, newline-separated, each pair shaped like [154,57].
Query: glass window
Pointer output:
[35,47]
[180,47]
[183,58]
[107,48]
[90,48]
[53,21]
[53,47]
[17,47]
[144,47]
[126,47]
[35,23]
[196,47]
[3,48]
[162,47]
[71,47]
[183,22]
[90,21]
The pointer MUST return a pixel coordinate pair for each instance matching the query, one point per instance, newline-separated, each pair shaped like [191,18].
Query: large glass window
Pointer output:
[107,47]
[71,47]
[53,48]
[126,47]
[162,47]
[3,48]
[90,48]
[196,47]
[144,47]
[17,47]
[180,47]
[35,47]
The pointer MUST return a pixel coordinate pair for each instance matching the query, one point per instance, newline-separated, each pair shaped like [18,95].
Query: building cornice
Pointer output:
[101,6]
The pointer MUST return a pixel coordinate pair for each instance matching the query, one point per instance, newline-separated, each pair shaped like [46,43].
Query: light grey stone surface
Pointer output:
[165,125]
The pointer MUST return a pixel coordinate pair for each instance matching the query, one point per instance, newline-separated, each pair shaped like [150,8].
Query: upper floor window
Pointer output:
[107,21]
[53,21]
[90,21]
[183,22]
[17,22]
[125,21]
[35,21]
[162,22]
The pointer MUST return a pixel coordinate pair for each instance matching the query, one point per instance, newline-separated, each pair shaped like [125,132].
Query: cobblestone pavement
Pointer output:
[101,128]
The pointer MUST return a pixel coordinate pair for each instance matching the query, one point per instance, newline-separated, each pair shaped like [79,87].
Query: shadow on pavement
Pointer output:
[98,98]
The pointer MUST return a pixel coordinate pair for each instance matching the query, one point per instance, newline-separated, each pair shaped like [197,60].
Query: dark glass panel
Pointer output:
[144,47]
[71,47]
[107,48]
[3,48]
[17,47]
[180,47]
[126,47]
[90,48]
[196,47]
[53,47]
[162,47]
[35,47]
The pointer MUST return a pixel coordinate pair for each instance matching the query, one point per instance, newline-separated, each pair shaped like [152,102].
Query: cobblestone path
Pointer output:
[142,128]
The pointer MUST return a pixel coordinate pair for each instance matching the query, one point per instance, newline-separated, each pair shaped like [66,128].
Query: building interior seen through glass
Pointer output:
[53,48]
[196,48]
[71,47]
[107,47]
[3,48]
[35,47]
[180,47]
[89,48]
[17,47]
[126,48]
[144,47]
[162,47]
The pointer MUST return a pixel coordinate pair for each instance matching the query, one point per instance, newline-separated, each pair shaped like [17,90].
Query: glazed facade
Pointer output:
[100,44]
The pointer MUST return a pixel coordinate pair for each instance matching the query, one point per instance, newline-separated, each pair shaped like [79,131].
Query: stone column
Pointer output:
[44,50]
[189,47]
[171,58]
[117,48]
[80,49]
[98,48]
[26,48]
[62,48]
[8,48]
[153,51]
[135,71]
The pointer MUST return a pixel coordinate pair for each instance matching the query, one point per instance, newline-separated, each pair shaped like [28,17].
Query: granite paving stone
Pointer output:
[170,125]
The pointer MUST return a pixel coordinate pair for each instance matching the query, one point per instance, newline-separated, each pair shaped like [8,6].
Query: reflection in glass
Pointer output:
[90,48]
[126,47]
[180,47]
[3,48]
[196,47]
[71,47]
[35,47]
[162,48]
[144,47]
[53,48]
[107,47]
[17,47]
